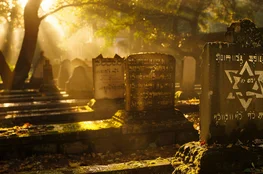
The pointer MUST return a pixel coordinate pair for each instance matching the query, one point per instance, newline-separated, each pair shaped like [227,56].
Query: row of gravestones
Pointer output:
[105,73]
[232,84]
[146,80]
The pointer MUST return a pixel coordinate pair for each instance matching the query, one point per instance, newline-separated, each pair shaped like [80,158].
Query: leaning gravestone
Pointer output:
[108,77]
[232,86]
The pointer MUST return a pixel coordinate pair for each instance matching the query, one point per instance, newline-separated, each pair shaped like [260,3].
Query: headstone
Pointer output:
[187,85]
[48,84]
[48,73]
[37,75]
[56,67]
[78,84]
[150,82]
[149,100]
[108,76]
[232,86]
[64,73]
[80,62]
[188,74]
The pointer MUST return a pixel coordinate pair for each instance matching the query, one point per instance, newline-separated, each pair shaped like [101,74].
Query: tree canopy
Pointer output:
[159,25]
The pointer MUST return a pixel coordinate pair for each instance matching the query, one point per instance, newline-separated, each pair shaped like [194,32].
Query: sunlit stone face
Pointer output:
[45,5]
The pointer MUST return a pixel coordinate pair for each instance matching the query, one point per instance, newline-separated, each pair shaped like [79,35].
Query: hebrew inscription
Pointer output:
[149,81]
[108,75]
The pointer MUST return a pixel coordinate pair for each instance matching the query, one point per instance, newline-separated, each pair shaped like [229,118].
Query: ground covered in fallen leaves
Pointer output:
[54,161]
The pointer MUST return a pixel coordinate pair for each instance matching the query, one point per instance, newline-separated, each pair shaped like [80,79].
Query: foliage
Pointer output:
[163,22]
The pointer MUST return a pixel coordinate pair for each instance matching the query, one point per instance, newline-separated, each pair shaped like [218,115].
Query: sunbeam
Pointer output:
[45,5]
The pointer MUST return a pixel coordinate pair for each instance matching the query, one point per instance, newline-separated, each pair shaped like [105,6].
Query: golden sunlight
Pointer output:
[45,5]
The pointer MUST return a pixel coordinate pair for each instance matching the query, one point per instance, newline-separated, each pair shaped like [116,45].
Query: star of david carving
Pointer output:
[246,84]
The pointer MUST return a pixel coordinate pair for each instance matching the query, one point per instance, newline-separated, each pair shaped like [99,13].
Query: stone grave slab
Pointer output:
[79,85]
[189,73]
[149,98]
[64,74]
[187,85]
[47,116]
[232,93]
[108,77]
[108,80]
[149,82]
[42,104]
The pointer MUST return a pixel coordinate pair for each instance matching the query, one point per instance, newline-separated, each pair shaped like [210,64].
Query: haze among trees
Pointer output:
[164,24]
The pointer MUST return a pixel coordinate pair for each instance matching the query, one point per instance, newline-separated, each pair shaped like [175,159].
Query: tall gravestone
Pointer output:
[37,77]
[232,86]
[48,85]
[64,74]
[188,74]
[187,85]
[108,84]
[149,115]
[150,82]
[108,77]
[149,88]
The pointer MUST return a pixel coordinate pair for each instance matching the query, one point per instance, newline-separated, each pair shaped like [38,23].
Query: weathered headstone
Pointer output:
[64,73]
[37,74]
[187,85]
[188,74]
[48,84]
[88,69]
[149,101]
[108,77]
[150,82]
[232,86]
[78,84]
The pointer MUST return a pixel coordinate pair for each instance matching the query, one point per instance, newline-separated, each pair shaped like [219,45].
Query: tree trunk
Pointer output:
[31,25]
[5,71]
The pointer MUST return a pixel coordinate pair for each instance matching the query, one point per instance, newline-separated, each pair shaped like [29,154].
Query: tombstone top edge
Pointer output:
[153,54]
[232,47]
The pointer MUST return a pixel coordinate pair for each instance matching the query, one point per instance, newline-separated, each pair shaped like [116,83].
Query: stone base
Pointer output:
[106,108]
[155,115]
[49,88]
[195,158]
[81,94]
[161,127]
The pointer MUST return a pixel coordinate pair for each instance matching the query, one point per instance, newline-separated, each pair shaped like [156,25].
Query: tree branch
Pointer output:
[68,5]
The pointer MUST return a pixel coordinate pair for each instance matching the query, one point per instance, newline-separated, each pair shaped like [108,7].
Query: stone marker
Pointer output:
[37,75]
[188,75]
[78,84]
[108,77]
[232,86]
[149,102]
[48,84]
[150,82]
[64,74]
[187,85]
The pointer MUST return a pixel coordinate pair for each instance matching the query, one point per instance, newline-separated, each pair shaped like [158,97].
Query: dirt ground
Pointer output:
[54,161]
